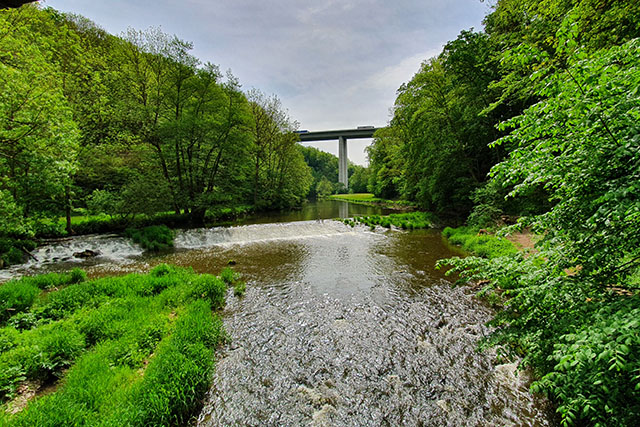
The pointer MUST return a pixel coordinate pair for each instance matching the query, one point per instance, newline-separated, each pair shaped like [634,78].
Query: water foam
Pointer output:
[255,233]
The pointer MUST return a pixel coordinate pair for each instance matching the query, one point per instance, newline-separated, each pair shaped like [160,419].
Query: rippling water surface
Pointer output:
[340,326]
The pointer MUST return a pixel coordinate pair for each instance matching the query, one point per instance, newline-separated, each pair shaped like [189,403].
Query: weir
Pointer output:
[342,136]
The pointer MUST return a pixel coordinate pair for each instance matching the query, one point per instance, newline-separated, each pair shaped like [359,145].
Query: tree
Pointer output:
[38,136]
[323,165]
[281,178]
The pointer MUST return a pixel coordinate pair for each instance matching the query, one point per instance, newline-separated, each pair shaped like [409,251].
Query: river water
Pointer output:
[339,326]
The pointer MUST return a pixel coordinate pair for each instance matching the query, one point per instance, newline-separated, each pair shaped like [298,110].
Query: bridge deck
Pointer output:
[327,135]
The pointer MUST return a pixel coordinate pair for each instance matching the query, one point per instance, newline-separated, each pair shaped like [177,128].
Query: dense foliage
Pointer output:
[153,238]
[324,169]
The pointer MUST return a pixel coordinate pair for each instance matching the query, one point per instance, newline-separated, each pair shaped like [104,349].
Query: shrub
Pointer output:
[212,288]
[16,296]
[228,275]
[239,288]
[23,320]
[13,256]
[153,238]
[162,270]
[597,372]
[9,337]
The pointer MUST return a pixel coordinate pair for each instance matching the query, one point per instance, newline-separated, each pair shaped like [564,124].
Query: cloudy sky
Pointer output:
[334,64]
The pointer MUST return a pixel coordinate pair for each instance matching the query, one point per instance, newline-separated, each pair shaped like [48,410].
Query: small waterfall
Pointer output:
[224,236]
[110,248]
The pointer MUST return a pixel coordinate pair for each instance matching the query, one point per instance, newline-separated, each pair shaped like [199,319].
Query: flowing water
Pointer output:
[339,326]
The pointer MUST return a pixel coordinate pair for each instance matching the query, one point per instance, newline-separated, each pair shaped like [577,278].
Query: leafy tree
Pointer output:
[358,178]
[323,165]
[324,188]
[280,176]
[386,163]
[38,137]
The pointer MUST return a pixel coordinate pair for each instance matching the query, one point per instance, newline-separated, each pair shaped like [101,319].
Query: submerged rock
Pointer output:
[87,253]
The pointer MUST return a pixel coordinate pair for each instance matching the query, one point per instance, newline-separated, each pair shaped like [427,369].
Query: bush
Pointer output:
[597,371]
[16,296]
[228,275]
[239,288]
[23,321]
[212,288]
[153,238]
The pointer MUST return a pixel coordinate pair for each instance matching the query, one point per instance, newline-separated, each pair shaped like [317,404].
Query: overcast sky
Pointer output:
[334,64]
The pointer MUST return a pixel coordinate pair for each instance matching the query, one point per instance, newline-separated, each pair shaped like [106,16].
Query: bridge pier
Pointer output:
[343,162]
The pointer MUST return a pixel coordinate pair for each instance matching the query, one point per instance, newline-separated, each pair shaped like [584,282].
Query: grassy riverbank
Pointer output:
[482,245]
[369,199]
[580,339]
[131,350]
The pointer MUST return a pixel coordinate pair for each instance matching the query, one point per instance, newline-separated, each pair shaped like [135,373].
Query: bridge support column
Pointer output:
[343,162]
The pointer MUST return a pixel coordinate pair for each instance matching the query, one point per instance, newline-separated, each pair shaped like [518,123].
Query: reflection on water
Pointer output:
[321,209]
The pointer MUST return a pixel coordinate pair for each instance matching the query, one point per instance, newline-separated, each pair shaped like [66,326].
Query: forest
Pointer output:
[532,124]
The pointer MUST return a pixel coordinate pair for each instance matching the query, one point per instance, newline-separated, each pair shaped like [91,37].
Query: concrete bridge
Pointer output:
[342,136]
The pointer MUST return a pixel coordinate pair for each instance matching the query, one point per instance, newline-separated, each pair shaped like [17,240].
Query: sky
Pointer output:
[333,64]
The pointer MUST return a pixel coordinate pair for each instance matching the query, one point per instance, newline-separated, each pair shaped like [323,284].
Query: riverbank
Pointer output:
[130,350]
[92,224]
[577,336]
[369,199]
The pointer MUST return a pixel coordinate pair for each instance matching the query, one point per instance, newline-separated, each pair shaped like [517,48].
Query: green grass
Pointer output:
[355,196]
[486,246]
[130,350]
[406,221]
[371,200]
[17,296]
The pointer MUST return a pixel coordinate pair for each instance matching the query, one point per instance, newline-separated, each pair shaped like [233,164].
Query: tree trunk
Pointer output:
[197,216]
[67,208]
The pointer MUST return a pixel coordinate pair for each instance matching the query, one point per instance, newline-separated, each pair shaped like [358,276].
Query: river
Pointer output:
[339,326]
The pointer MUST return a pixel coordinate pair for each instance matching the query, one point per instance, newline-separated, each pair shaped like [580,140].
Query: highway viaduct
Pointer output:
[342,136]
